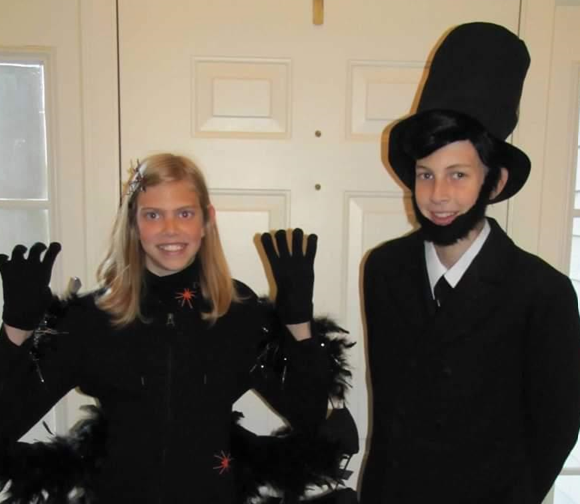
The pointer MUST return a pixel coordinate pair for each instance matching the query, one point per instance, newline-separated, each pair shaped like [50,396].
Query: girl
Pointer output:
[166,346]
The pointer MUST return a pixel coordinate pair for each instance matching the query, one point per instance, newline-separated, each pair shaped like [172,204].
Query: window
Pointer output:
[24,175]
[567,487]
[575,252]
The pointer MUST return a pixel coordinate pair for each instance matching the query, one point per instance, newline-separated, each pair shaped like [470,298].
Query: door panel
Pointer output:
[286,119]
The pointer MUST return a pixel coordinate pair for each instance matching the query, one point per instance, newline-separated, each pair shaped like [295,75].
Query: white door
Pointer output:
[285,118]
[41,142]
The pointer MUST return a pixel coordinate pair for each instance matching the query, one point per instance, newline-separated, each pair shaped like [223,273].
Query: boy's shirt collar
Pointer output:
[435,269]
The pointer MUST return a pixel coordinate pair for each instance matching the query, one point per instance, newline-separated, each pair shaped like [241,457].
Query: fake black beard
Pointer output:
[459,228]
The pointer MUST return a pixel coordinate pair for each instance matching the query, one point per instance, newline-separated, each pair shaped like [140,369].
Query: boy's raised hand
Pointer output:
[293,271]
[25,281]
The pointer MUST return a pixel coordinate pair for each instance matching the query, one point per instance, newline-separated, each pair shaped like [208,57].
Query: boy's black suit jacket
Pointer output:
[479,401]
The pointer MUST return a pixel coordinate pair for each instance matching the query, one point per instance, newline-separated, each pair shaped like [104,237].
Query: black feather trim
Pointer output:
[339,496]
[334,339]
[331,336]
[288,463]
[58,471]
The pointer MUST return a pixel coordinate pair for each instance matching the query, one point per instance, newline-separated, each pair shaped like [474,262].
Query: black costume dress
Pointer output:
[166,387]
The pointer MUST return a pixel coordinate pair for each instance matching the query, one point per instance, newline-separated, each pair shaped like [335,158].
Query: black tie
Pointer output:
[442,291]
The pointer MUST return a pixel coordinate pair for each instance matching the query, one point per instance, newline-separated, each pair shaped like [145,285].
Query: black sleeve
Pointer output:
[34,376]
[293,376]
[552,381]
[372,316]
[368,296]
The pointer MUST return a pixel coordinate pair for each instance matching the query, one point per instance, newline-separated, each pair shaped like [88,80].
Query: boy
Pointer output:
[474,344]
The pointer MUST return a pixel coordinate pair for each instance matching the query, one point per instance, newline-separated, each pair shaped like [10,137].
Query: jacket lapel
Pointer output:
[480,290]
[407,287]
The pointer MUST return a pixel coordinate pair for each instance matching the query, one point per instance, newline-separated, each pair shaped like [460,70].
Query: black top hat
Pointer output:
[478,71]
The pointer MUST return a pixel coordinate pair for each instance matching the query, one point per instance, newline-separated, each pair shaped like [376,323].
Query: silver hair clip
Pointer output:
[136,179]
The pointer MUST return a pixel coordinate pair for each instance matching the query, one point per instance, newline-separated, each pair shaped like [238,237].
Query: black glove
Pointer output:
[25,282]
[294,274]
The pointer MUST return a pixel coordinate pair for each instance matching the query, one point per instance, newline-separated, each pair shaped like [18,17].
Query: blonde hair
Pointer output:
[121,272]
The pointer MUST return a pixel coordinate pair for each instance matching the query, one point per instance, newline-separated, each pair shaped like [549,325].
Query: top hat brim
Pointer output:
[514,160]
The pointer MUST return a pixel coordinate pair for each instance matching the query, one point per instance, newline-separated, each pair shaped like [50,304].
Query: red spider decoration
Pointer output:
[225,462]
[186,297]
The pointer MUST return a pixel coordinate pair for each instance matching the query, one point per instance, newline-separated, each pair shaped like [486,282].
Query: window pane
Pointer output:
[567,490]
[22,131]
[573,461]
[575,254]
[578,168]
[26,226]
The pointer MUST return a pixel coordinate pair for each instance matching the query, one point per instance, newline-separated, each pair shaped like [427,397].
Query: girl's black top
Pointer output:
[166,386]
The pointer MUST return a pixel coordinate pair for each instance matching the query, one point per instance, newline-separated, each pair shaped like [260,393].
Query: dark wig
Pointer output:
[432,129]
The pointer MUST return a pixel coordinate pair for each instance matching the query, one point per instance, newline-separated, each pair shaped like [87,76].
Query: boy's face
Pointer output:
[171,226]
[448,182]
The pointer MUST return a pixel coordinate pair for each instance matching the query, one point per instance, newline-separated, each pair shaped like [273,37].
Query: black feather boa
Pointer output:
[57,471]
[289,463]
[286,464]
[331,336]
[61,471]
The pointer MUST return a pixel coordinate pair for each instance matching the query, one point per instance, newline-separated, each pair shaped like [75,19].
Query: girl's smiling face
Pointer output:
[171,226]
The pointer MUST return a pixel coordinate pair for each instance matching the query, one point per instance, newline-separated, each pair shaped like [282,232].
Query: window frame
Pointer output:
[45,57]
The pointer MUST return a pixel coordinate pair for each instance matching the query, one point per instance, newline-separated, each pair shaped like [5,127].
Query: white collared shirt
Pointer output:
[435,269]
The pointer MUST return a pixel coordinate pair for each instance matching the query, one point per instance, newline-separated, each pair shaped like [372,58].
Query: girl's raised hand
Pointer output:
[293,271]
[25,281]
